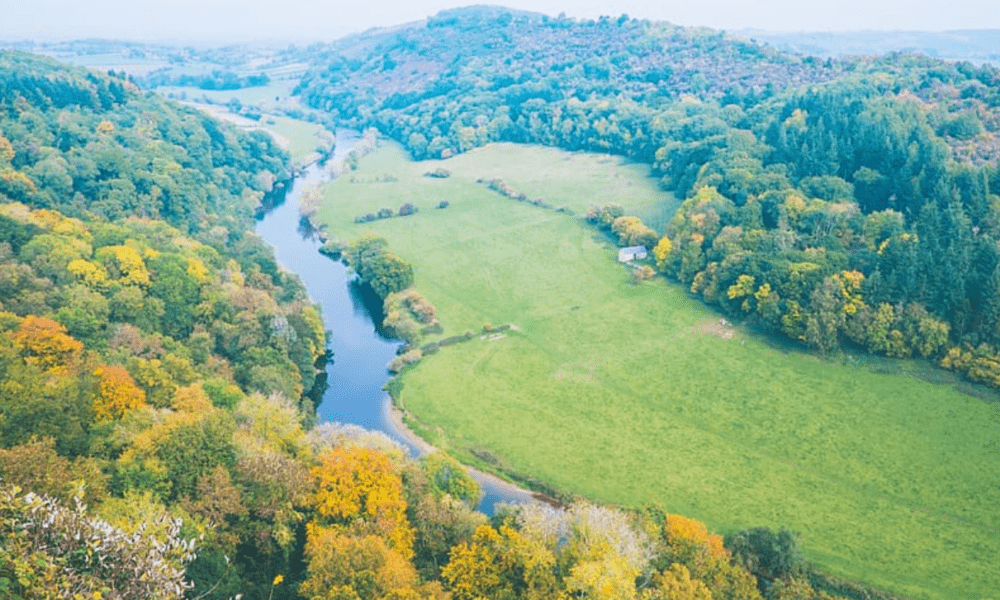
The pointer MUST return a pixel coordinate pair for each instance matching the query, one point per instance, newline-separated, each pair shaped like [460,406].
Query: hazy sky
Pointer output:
[308,20]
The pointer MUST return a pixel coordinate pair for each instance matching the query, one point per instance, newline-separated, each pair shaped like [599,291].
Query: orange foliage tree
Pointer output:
[688,536]
[689,544]
[45,343]
[117,393]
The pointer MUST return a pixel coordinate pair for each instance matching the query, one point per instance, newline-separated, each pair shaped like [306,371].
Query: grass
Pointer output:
[276,94]
[303,138]
[628,394]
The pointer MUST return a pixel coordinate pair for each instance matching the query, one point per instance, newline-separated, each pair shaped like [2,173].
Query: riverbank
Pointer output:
[357,374]
[396,418]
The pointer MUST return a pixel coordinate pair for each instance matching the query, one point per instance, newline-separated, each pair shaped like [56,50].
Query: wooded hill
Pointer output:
[836,202]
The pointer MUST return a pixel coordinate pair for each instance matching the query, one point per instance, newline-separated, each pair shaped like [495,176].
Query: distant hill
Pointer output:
[486,57]
[499,49]
[978,45]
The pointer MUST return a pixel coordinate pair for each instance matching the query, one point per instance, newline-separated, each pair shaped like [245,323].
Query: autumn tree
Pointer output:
[359,489]
[597,548]
[35,467]
[343,565]
[116,394]
[685,542]
[662,251]
[631,231]
[44,342]
[676,584]
[501,563]
[441,497]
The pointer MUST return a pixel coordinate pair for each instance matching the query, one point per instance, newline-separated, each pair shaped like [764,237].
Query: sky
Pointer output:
[224,21]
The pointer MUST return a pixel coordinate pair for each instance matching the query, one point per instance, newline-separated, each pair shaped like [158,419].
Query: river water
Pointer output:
[360,351]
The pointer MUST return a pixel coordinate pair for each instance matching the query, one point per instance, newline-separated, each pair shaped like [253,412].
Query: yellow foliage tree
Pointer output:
[501,564]
[662,251]
[347,566]
[191,399]
[677,584]
[6,149]
[45,343]
[90,273]
[360,488]
[127,262]
[270,422]
[105,127]
[117,393]
[197,270]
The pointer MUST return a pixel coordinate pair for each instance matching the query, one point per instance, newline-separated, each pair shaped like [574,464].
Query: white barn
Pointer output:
[632,253]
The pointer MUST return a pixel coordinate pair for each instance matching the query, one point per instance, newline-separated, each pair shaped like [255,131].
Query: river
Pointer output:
[360,351]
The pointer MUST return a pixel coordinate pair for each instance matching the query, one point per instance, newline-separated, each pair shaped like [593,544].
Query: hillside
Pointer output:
[977,46]
[806,171]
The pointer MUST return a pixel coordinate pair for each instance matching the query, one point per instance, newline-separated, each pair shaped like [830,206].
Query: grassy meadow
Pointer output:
[303,138]
[631,394]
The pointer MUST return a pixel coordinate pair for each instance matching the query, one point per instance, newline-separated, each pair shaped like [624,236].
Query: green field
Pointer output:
[634,394]
[303,137]
[276,94]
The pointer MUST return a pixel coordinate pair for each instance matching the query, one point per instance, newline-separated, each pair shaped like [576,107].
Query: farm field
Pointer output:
[303,137]
[267,97]
[635,394]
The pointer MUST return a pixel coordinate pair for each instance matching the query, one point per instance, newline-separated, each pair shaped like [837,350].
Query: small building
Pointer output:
[632,253]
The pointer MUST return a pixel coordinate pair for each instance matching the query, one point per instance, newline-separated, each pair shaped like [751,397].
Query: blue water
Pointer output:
[360,352]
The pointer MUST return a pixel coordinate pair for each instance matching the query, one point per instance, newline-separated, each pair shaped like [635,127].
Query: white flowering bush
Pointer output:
[49,551]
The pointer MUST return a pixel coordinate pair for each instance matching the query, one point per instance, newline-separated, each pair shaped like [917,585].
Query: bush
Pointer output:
[407,209]
[432,329]
[332,248]
[451,341]
[443,204]
[403,361]
[766,554]
[438,173]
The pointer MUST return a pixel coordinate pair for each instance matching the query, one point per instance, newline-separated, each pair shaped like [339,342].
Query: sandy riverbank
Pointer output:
[394,416]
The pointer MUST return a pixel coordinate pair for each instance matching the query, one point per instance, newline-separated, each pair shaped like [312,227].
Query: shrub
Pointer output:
[438,173]
[432,329]
[404,360]
[451,341]
[63,552]
[332,248]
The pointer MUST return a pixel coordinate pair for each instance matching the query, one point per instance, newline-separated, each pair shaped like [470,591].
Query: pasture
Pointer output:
[633,394]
